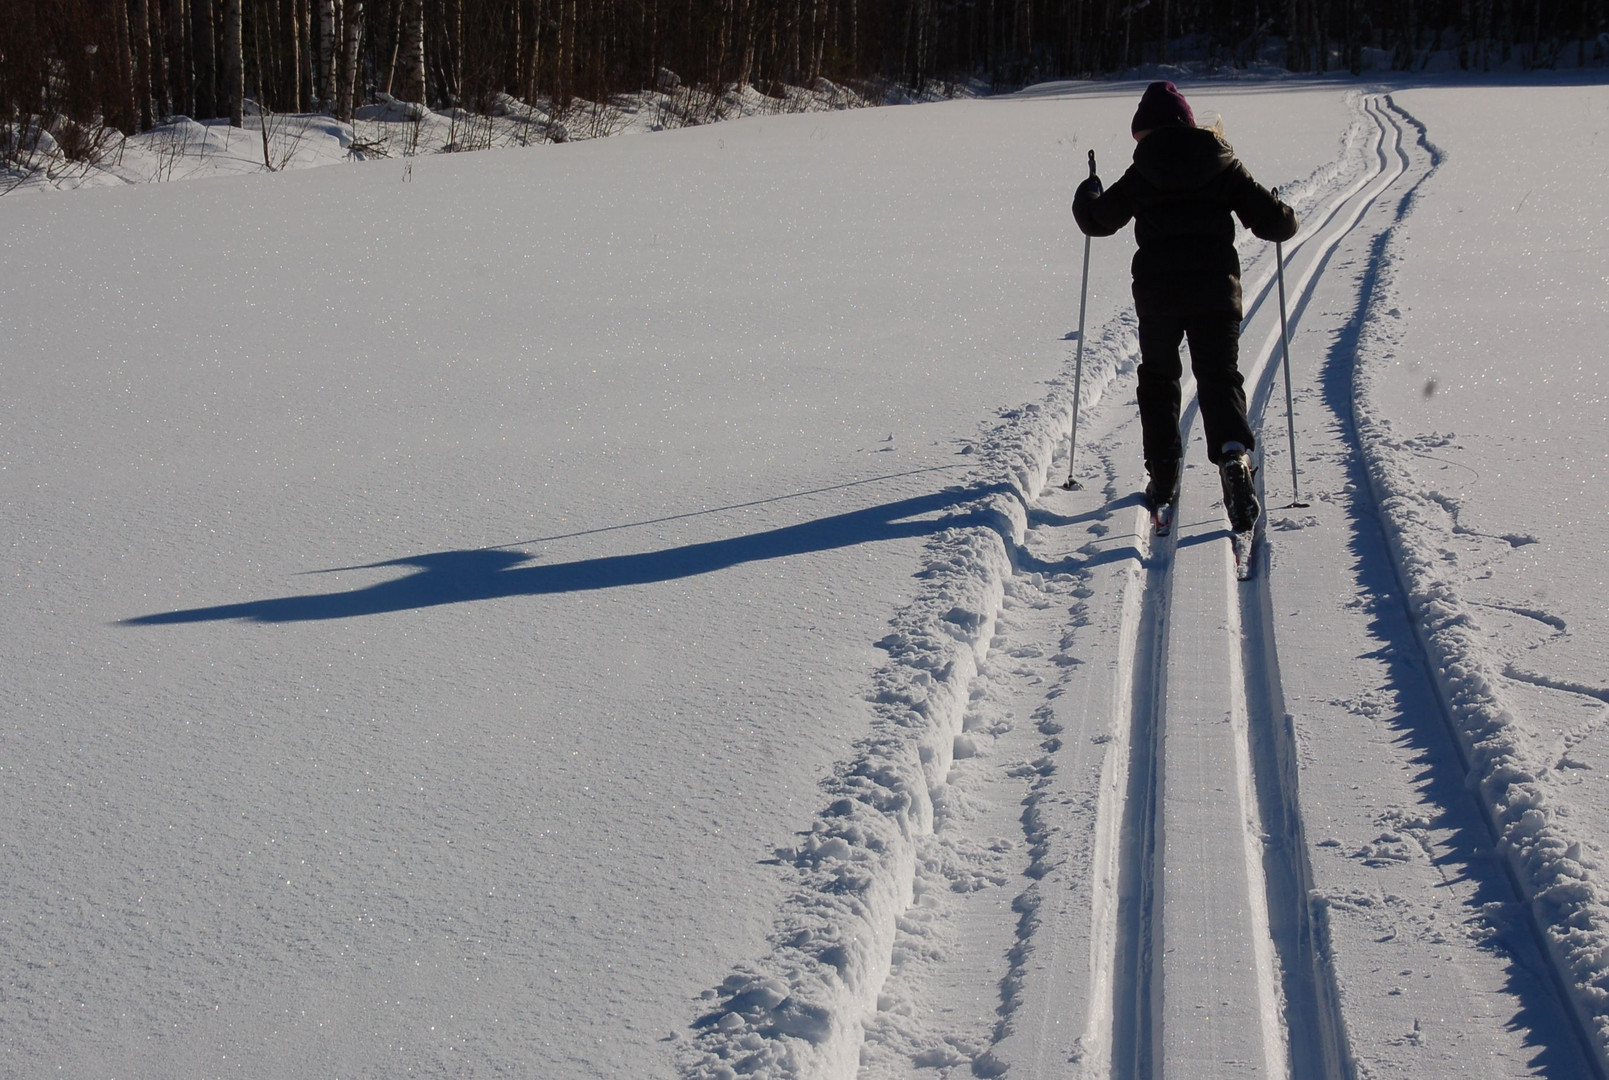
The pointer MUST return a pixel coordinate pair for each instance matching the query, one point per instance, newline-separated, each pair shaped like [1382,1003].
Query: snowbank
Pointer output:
[1550,862]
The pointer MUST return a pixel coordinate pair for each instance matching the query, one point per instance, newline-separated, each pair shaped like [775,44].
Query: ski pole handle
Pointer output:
[1092,163]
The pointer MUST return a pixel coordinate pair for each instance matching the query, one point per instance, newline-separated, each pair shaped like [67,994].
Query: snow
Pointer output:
[1542,497]
[184,149]
[608,609]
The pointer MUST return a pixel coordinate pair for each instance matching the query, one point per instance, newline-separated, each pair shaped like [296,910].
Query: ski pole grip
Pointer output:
[1092,163]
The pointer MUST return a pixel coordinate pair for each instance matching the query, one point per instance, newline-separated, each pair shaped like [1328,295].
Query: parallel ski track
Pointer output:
[800,1011]
[1580,1017]
[1304,998]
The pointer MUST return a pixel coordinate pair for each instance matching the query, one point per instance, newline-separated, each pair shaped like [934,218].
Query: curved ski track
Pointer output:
[1072,846]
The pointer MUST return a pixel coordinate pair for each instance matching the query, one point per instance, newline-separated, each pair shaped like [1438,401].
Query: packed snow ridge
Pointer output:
[1553,868]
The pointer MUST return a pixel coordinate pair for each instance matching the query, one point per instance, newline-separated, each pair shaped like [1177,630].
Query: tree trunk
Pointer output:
[533,54]
[795,44]
[347,75]
[140,43]
[455,63]
[202,31]
[854,33]
[820,12]
[179,58]
[1316,40]
[234,66]
[748,29]
[122,112]
[326,52]
[410,85]
[304,78]
[262,27]
[564,53]
[160,64]
[290,75]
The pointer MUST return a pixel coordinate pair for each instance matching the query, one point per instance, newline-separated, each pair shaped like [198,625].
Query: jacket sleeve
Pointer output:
[1259,209]
[1102,213]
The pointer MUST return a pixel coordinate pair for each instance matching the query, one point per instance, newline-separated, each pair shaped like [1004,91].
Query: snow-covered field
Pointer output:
[610,610]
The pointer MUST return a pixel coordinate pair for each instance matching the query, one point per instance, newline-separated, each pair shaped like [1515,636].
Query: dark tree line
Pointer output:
[129,63]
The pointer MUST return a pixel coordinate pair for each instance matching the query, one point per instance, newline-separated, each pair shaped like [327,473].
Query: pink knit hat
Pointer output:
[1162,106]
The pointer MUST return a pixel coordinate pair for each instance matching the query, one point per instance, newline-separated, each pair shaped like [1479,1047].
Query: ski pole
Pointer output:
[1078,360]
[1285,343]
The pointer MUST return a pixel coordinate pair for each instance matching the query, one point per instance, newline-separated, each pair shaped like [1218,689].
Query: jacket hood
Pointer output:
[1181,158]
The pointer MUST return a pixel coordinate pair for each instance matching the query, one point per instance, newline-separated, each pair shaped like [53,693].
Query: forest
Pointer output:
[75,66]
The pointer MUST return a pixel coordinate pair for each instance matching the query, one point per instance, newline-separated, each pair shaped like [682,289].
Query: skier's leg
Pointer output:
[1158,390]
[1215,359]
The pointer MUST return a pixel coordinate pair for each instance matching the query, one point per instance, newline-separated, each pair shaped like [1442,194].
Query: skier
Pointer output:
[1180,192]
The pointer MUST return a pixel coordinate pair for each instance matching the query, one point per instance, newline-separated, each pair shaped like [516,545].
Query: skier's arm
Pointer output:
[1101,213]
[1258,208]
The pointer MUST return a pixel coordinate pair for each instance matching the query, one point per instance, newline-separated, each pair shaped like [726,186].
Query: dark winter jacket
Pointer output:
[1180,191]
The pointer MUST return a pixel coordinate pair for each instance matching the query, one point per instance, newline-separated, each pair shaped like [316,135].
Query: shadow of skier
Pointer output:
[459,577]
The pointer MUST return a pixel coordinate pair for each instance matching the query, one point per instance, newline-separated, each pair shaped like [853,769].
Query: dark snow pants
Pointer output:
[1214,357]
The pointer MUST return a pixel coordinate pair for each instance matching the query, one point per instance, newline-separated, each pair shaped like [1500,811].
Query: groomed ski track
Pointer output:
[1076,844]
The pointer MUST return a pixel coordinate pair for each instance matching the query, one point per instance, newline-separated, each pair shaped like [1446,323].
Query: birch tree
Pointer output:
[410,64]
[346,89]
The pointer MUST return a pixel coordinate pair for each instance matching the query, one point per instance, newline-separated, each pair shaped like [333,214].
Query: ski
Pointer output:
[1162,518]
[1239,479]
[1162,512]
[1245,547]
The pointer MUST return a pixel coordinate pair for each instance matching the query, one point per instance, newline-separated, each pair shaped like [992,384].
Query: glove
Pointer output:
[1089,189]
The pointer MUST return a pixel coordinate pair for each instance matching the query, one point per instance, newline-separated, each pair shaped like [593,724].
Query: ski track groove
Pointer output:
[975,804]
[803,1010]
[1565,909]
[1292,985]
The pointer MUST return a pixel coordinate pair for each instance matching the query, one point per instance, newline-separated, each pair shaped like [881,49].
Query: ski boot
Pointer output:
[1161,493]
[1240,493]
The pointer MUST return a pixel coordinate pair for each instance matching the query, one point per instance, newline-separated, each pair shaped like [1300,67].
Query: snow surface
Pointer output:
[609,610]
